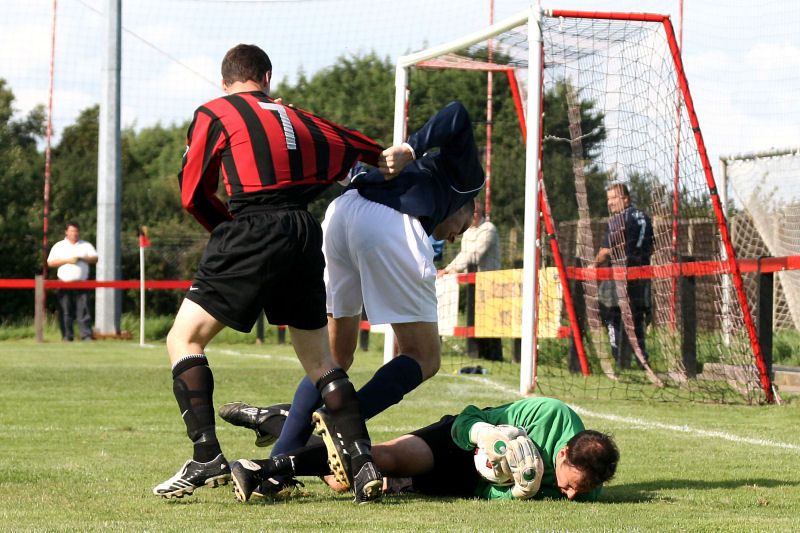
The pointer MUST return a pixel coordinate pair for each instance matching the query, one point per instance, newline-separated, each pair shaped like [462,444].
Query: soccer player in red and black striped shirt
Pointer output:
[264,252]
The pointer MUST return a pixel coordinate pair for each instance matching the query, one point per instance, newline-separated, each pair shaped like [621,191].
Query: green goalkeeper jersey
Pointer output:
[550,423]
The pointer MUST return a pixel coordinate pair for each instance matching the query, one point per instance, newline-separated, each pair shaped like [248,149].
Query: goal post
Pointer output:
[577,37]
[631,121]
[527,372]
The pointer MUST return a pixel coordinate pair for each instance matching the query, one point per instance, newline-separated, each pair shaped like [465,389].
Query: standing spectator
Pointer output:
[72,258]
[264,253]
[628,242]
[480,246]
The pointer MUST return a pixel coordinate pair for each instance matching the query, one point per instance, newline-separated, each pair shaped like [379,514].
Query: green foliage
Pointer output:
[22,185]
[786,348]
[151,163]
[74,183]
[151,197]
[356,92]
[557,157]
[151,160]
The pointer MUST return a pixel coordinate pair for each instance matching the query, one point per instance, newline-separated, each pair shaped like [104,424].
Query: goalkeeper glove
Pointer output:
[494,440]
[527,468]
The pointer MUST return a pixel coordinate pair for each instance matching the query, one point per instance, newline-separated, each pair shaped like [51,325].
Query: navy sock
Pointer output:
[387,387]
[390,383]
[298,428]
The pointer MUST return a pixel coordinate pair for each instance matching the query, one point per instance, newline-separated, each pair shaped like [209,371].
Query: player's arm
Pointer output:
[200,172]
[451,130]
[471,415]
[495,440]
[486,428]
[394,159]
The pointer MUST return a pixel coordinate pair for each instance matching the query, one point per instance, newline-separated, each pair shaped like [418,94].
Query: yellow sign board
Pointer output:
[498,303]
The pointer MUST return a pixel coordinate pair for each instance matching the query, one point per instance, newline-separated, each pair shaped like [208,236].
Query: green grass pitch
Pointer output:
[87,430]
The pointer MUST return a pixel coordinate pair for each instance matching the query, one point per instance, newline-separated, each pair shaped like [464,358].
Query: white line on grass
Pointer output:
[685,429]
[658,425]
[256,355]
[234,352]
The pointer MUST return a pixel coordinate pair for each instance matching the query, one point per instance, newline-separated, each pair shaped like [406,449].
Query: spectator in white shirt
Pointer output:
[480,246]
[72,258]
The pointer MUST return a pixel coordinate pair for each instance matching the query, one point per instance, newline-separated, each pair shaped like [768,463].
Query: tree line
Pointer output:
[357,91]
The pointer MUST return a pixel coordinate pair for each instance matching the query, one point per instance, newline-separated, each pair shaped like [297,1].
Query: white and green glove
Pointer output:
[526,465]
[494,441]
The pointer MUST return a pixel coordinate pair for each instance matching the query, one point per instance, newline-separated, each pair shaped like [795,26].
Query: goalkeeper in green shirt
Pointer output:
[533,448]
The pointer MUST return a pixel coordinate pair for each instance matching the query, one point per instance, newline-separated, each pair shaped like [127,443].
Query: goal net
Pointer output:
[615,108]
[765,195]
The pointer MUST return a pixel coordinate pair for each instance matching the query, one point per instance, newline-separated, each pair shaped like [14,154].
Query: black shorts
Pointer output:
[263,259]
[453,471]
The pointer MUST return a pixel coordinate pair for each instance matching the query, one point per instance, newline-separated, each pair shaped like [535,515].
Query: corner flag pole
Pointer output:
[144,242]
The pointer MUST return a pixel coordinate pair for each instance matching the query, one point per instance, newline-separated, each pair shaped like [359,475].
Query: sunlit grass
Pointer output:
[88,429]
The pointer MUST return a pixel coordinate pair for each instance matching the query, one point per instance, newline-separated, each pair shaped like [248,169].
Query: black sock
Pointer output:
[306,461]
[344,408]
[279,465]
[311,461]
[193,386]
[206,450]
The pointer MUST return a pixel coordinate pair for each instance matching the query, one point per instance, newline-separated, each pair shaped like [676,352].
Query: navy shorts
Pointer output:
[453,471]
[266,259]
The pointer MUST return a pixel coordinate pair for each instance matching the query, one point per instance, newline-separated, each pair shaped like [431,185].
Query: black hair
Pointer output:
[621,189]
[245,62]
[594,454]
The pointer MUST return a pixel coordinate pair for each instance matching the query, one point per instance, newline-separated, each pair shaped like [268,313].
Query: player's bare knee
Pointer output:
[428,362]
[431,368]
[172,341]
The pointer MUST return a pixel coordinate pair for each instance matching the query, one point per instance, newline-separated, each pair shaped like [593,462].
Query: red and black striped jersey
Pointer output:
[262,145]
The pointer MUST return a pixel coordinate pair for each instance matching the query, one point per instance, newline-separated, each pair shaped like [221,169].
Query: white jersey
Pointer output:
[67,250]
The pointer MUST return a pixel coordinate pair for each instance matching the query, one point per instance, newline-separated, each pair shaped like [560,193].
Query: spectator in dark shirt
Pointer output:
[628,242]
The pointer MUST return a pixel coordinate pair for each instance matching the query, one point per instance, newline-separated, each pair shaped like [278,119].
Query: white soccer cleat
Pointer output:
[192,475]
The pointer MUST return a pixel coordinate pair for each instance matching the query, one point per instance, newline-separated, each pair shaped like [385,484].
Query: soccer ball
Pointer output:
[485,470]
